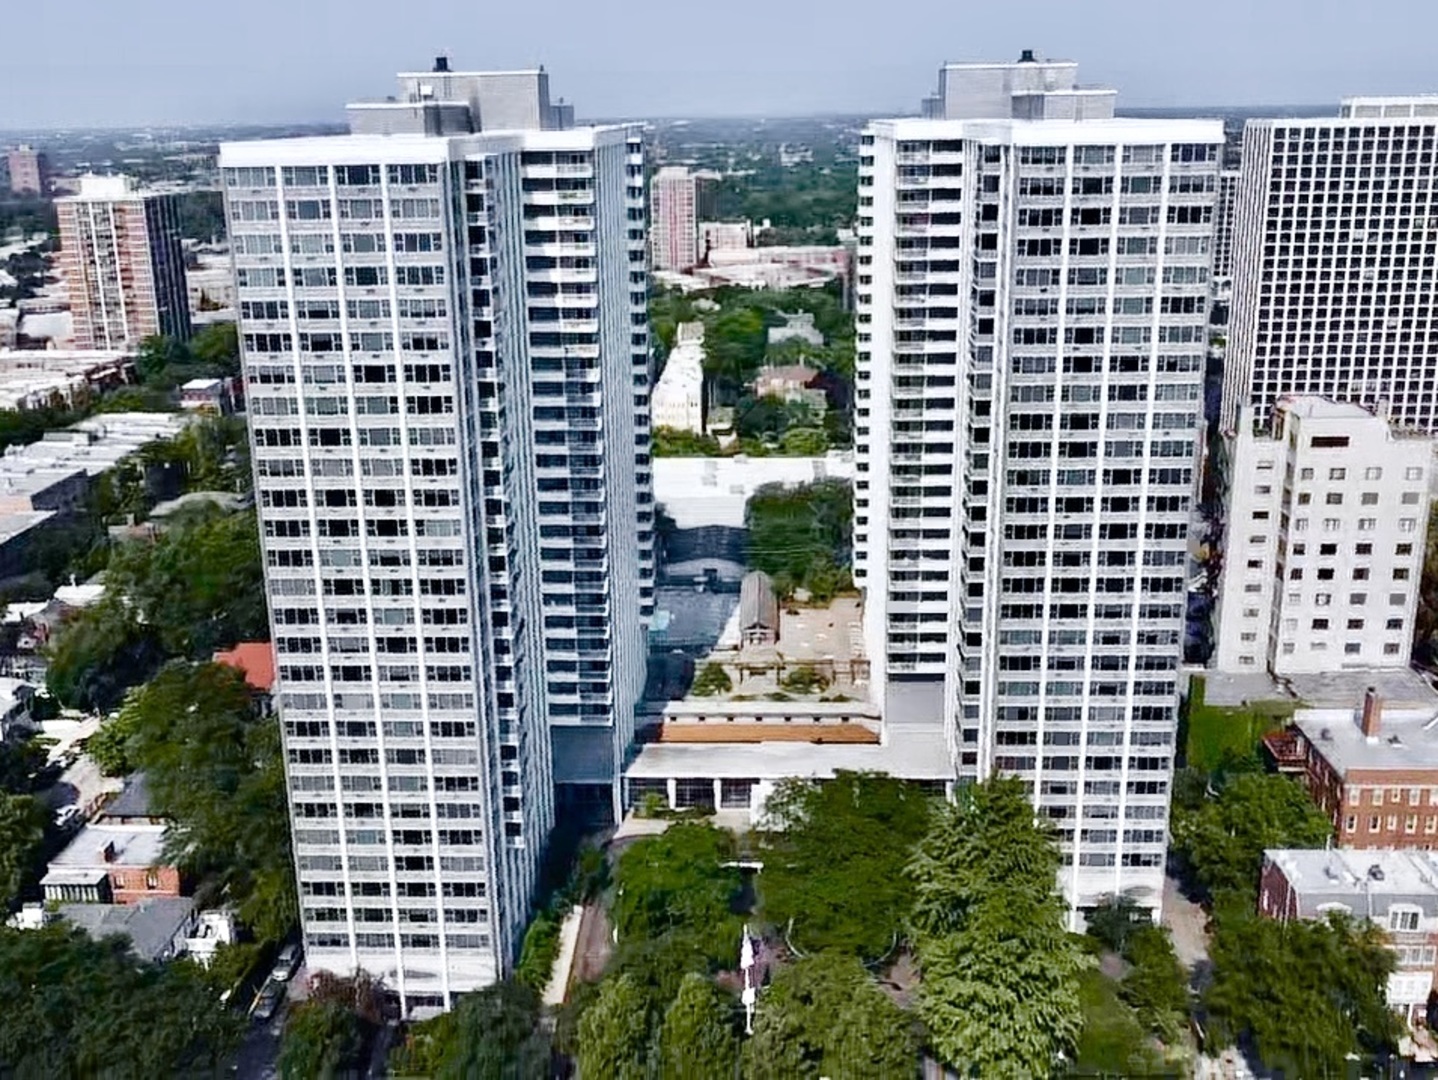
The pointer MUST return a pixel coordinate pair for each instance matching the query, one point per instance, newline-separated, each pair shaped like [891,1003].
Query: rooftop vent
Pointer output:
[1027,57]
[441,63]
[1325,735]
[1375,872]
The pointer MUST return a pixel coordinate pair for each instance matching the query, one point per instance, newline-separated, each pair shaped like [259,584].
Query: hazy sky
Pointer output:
[129,62]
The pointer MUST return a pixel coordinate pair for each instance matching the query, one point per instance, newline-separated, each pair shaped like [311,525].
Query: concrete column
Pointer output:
[673,793]
[718,793]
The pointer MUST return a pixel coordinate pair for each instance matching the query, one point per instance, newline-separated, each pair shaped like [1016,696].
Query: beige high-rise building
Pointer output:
[674,228]
[29,170]
[121,256]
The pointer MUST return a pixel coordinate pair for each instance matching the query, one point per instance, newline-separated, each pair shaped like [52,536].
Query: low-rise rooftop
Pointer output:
[152,925]
[1405,738]
[1324,876]
[98,845]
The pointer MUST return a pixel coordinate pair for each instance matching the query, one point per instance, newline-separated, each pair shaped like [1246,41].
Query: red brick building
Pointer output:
[1397,890]
[1373,770]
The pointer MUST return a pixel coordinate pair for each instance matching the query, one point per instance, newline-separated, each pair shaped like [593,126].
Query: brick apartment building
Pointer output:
[1373,770]
[1396,890]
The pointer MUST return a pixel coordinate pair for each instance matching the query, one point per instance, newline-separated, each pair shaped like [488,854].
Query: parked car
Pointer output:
[69,817]
[285,963]
[268,1002]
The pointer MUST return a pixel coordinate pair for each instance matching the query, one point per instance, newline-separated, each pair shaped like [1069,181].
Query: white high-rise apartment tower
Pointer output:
[444,339]
[1032,293]
[1334,269]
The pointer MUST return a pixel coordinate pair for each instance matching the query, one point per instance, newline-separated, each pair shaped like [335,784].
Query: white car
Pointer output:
[68,817]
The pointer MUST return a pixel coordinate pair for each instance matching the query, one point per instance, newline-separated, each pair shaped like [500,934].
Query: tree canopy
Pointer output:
[698,1035]
[801,536]
[824,1016]
[1224,839]
[214,768]
[999,991]
[1305,992]
[326,1035]
[492,1034]
[22,836]
[834,861]
[677,881]
[614,1032]
[79,1007]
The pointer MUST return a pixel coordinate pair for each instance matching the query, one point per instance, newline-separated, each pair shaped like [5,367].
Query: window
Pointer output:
[1334,474]
[1358,599]
[152,878]
[1322,599]
[1402,919]
[1407,524]
[1373,472]
[1305,474]
[1367,524]
[1413,473]
[1333,498]
[1352,648]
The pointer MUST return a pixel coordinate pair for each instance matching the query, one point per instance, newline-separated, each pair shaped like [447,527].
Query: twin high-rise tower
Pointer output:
[444,332]
[1032,288]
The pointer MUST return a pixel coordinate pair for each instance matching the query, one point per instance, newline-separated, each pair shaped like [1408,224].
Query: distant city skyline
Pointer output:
[153,63]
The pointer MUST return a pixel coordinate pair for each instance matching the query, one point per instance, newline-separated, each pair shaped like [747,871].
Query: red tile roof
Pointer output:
[256,659]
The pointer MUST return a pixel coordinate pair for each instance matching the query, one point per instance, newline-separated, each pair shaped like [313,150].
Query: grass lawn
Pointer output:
[1214,730]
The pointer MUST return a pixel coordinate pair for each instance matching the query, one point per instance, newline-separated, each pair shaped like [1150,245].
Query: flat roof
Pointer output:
[409,147]
[134,845]
[1101,131]
[1407,738]
[698,491]
[1328,875]
[17,524]
[910,754]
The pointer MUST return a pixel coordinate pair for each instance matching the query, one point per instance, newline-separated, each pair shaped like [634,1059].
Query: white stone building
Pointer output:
[1032,283]
[1327,515]
[445,349]
[678,398]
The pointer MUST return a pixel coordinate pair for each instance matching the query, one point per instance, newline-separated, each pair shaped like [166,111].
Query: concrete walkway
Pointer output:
[1186,921]
[557,988]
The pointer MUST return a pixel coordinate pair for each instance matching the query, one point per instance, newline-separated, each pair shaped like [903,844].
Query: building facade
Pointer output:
[1396,890]
[447,358]
[29,171]
[1372,768]
[678,399]
[1031,299]
[123,264]
[1327,514]
[1332,272]
[1223,227]
[674,224]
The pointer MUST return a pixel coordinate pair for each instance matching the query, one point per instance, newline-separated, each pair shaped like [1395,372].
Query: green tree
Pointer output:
[711,681]
[199,584]
[824,1016]
[320,1040]
[1307,993]
[1156,986]
[326,1035]
[697,1037]
[22,835]
[999,995]
[802,534]
[614,1033]
[214,768]
[492,1034]
[20,762]
[157,356]
[109,747]
[97,654]
[834,860]
[670,442]
[1224,840]
[77,1007]
[1114,921]
[1111,1041]
[219,346]
[678,881]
